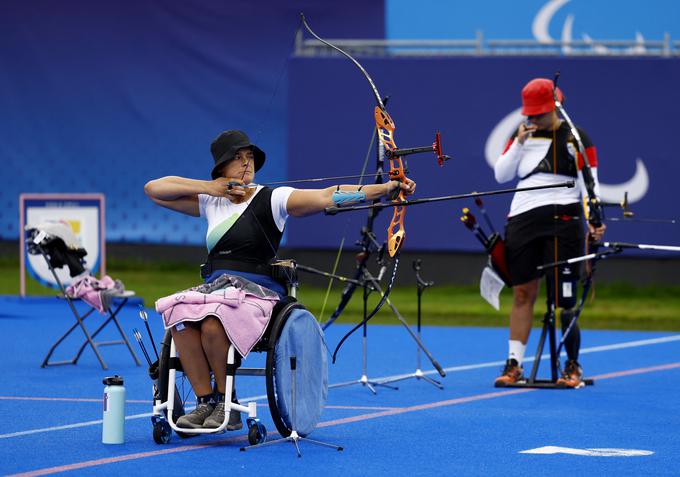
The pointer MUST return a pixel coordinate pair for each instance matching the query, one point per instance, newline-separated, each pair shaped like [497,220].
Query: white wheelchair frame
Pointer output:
[163,411]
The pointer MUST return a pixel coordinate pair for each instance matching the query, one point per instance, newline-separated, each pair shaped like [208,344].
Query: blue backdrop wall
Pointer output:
[627,106]
[101,97]
[533,19]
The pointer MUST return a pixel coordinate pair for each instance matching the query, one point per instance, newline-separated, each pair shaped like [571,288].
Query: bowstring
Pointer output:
[344,234]
[380,103]
[282,71]
[267,118]
[383,299]
[290,276]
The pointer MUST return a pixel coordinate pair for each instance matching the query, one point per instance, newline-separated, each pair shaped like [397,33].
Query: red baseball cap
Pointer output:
[537,97]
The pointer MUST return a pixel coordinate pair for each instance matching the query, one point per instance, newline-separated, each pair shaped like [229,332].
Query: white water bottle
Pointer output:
[113,427]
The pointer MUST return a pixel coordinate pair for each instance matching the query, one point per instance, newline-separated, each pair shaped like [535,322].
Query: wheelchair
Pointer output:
[296,376]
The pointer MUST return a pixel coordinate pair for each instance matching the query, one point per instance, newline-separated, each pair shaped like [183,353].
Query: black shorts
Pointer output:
[530,240]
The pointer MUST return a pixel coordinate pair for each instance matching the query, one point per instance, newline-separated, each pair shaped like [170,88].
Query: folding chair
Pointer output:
[60,248]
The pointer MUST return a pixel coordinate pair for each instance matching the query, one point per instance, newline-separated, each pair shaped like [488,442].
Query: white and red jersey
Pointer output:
[546,158]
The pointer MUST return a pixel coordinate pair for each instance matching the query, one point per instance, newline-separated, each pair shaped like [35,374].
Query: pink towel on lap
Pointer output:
[243,316]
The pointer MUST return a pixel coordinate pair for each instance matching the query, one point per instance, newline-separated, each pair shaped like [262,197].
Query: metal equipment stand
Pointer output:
[294,436]
[418,373]
[89,338]
[367,287]
[549,332]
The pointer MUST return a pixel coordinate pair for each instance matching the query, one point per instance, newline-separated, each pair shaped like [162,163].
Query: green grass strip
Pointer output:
[615,306]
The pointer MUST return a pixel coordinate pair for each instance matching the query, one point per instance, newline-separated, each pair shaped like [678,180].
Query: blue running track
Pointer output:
[626,424]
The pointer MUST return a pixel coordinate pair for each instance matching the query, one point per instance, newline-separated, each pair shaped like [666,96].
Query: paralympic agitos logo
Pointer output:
[638,185]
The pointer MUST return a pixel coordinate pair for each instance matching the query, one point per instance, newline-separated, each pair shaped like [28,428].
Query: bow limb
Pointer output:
[347,293]
[594,211]
[396,231]
[385,129]
[374,89]
[595,215]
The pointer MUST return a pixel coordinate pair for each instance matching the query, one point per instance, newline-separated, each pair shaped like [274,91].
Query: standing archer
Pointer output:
[545,225]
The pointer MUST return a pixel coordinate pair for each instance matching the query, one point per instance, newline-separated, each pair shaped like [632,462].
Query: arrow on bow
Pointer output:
[428,200]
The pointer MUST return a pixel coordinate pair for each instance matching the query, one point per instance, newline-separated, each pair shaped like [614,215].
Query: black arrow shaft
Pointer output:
[383,205]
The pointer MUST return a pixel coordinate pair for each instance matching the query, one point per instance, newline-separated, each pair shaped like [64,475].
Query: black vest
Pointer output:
[559,152]
[254,238]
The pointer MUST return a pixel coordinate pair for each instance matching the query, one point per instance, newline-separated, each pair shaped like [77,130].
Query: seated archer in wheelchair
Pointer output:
[231,313]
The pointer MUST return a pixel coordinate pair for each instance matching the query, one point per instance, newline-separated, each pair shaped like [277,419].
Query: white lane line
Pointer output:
[336,422]
[493,364]
[67,426]
[593,349]
[38,398]
[632,344]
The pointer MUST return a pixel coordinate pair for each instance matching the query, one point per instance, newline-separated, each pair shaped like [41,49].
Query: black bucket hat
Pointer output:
[225,146]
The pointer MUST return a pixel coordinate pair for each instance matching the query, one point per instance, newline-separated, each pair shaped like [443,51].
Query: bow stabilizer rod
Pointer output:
[641,246]
[612,248]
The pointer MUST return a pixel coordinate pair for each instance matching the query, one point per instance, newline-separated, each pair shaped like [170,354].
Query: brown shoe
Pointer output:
[196,418]
[512,373]
[572,376]
[216,419]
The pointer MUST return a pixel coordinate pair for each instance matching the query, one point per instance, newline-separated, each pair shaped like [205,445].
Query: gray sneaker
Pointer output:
[216,419]
[196,418]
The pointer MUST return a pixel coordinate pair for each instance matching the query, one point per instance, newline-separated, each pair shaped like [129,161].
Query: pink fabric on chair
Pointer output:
[96,293]
[243,315]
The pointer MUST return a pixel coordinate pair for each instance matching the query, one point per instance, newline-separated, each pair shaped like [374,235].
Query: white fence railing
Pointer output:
[483,47]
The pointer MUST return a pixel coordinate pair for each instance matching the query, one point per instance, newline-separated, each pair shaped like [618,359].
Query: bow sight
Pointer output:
[436,148]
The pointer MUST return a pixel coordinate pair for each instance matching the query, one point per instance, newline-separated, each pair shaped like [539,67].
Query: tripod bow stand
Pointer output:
[418,373]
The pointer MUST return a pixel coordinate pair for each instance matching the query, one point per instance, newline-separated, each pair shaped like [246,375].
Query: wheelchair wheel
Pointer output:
[257,433]
[296,333]
[161,432]
[183,390]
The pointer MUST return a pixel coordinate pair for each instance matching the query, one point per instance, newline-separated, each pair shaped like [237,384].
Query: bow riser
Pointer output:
[396,238]
[395,231]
